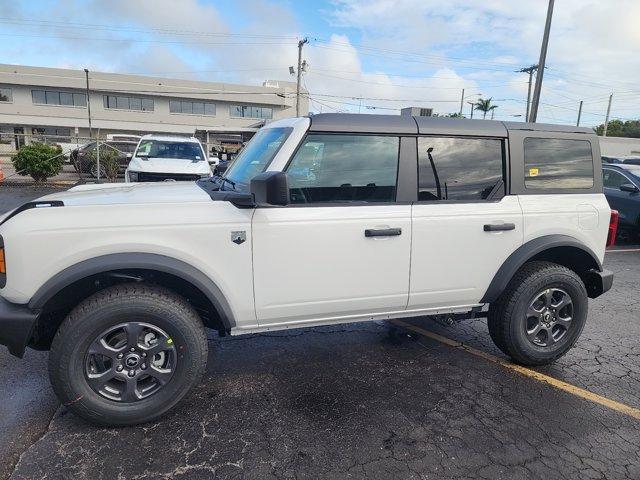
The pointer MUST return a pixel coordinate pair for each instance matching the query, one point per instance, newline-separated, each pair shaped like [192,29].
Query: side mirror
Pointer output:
[270,188]
[629,187]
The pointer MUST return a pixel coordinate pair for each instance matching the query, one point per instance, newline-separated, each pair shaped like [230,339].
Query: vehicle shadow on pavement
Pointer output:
[361,400]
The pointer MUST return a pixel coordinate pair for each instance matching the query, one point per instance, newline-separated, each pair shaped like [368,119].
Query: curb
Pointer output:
[59,183]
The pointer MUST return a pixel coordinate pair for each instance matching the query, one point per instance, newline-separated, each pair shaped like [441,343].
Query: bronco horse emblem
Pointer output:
[238,237]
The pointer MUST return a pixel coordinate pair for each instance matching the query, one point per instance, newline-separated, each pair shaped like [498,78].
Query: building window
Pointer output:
[467,169]
[192,108]
[250,111]
[123,102]
[554,163]
[344,168]
[6,95]
[42,134]
[53,97]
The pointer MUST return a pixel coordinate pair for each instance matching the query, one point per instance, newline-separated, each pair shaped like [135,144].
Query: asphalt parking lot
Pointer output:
[359,401]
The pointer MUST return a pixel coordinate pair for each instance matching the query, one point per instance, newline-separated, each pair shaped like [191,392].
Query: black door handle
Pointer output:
[499,227]
[382,232]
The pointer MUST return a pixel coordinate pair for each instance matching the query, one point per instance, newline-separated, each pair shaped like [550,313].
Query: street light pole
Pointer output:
[86,74]
[461,102]
[543,58]
[472,104]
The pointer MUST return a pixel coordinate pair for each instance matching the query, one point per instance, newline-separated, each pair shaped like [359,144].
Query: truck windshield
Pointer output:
[256,156]
[170,149]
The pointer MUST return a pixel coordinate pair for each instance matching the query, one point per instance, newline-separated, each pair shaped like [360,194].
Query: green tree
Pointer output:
[38,160]
[485,106]
[618,128]
[109,166]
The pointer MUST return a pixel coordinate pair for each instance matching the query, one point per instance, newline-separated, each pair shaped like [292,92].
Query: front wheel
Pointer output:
[127,355]
[540,315]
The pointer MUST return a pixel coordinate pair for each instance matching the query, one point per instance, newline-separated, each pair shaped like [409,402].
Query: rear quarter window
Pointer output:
[555,163]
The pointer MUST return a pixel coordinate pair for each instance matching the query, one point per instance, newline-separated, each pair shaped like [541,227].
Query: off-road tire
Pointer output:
[507,319]
[107,308]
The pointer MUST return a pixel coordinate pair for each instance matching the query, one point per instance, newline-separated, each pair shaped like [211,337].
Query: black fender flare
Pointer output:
[143,261]
[527,251]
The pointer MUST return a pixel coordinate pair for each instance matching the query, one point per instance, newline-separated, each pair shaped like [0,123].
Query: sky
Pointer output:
[369,56]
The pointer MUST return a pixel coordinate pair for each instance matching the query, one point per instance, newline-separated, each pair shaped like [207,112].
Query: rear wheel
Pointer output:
[127,355]
[540,315]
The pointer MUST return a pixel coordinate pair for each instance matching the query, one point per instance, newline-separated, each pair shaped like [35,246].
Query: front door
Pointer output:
[464,227]
[341,249]
[626,203]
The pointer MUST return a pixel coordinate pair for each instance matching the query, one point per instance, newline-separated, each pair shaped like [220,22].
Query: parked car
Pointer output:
[610,159]
[621,184]
[631,160]
[381,217]
[81,157]
[160,158]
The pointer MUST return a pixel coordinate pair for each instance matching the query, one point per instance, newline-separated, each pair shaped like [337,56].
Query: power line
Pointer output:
[155,30]
[141,40]
[357,80]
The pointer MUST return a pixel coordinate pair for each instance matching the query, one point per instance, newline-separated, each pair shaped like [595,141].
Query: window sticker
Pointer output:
[533,172]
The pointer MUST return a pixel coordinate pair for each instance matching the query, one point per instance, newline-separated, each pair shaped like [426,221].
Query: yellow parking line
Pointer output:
[541,377]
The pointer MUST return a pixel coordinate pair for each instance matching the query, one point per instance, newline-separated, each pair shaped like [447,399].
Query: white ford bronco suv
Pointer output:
[321,220]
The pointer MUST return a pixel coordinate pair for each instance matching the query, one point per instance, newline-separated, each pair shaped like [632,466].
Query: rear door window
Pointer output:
[556,163]
[463,169]
[344,168]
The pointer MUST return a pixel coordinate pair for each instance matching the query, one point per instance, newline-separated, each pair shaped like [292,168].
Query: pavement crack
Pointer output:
[46,430]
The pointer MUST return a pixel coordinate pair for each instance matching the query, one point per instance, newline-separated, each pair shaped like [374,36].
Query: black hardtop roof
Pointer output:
[408,125]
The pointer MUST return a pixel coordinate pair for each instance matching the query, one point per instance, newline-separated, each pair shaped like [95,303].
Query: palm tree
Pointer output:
[484,106]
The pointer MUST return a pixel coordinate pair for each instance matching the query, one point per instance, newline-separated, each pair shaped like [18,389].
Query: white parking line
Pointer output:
[623,250]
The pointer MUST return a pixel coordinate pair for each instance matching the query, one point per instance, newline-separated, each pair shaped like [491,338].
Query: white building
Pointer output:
[53,101]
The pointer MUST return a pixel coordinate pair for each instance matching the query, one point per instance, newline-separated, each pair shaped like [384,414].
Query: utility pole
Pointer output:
[543,58]
[300,45]
[472,104]
[579,114]
[530,71]
[86,74]
[606,120]
[461,102]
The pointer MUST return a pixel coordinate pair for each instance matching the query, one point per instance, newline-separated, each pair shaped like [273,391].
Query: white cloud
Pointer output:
[413,51]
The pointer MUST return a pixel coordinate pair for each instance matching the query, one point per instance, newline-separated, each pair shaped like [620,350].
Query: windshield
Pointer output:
[256,156]
[170,149]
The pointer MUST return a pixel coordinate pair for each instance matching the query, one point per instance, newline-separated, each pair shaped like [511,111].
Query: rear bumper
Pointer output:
[16,326]
[598,282]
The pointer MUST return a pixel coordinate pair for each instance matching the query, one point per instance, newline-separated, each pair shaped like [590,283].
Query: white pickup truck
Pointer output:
[322,220]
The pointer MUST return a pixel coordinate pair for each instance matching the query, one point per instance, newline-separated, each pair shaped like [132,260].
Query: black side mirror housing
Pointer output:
[629,187]
[270,188]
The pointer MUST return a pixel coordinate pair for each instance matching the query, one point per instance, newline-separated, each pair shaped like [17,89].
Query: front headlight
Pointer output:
[133,176]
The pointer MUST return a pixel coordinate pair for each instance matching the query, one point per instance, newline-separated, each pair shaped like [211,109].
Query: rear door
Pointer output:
[464,227]
[341,249]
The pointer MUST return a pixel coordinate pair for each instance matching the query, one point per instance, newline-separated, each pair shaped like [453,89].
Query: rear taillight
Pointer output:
[613,228]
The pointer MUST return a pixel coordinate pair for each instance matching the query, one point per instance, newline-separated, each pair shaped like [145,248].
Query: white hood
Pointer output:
[131,193]
[169,165]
